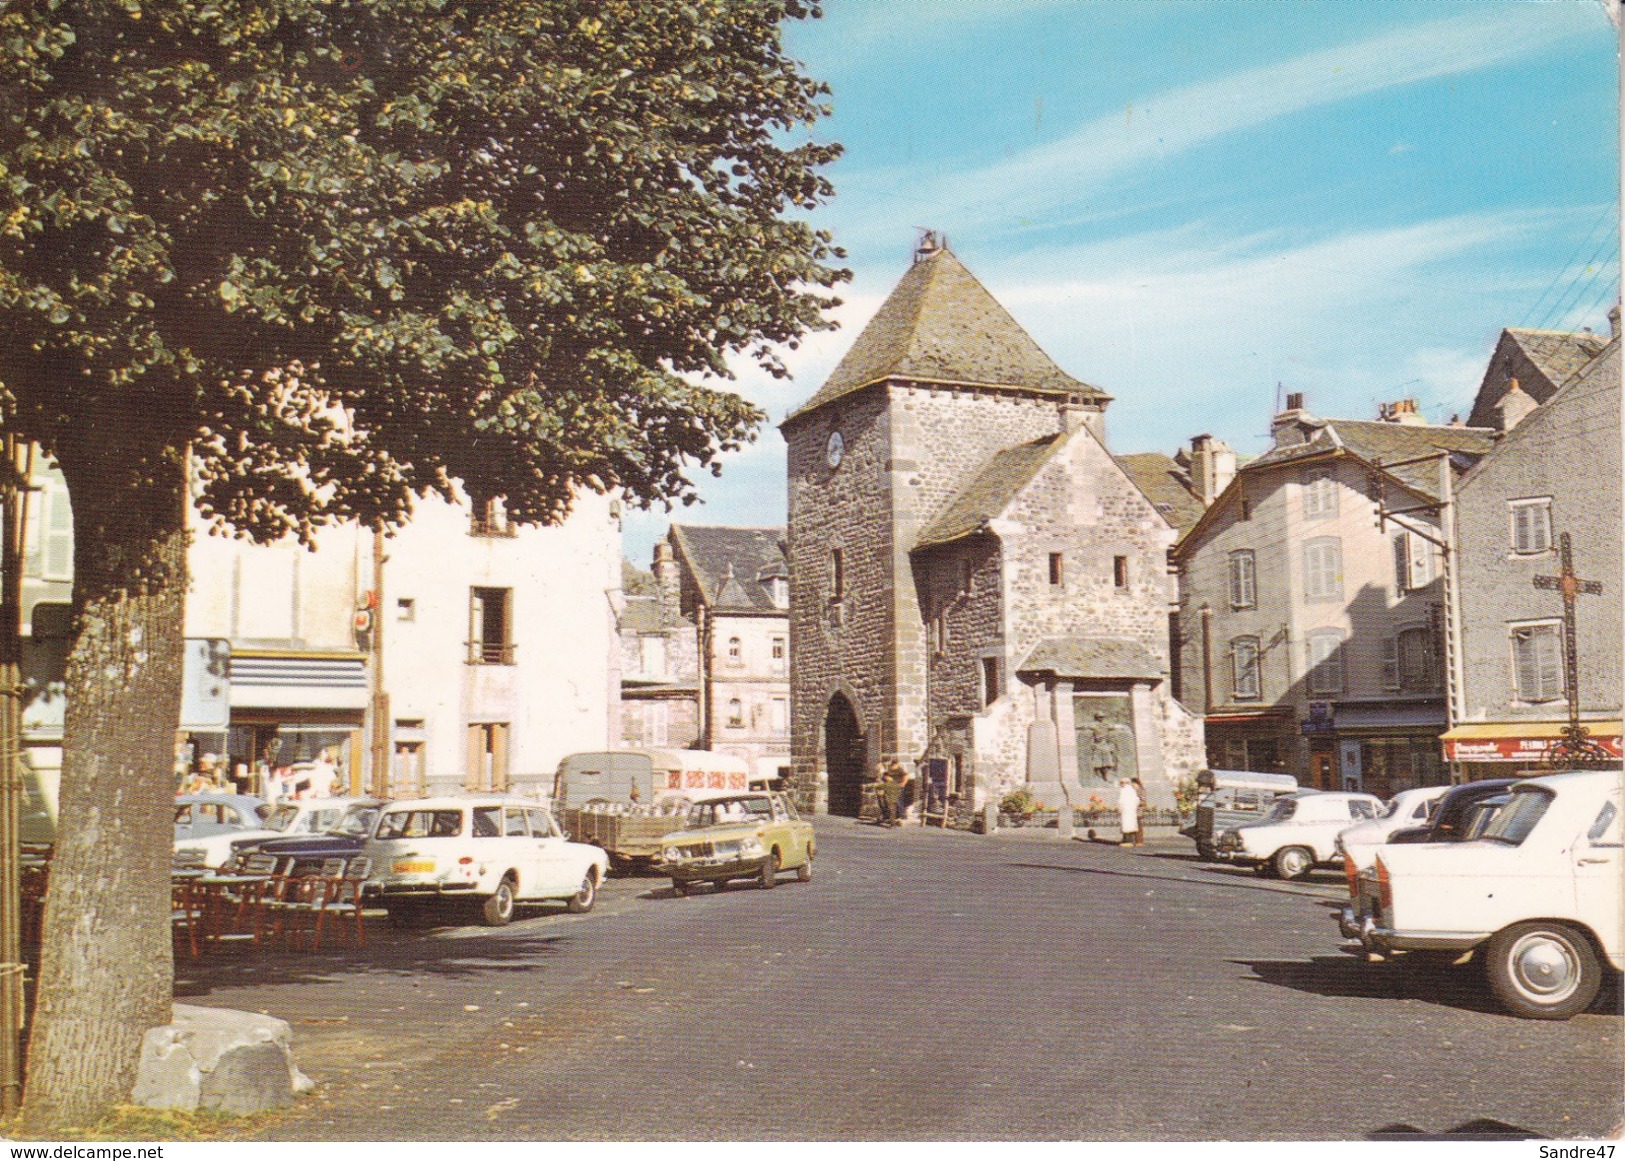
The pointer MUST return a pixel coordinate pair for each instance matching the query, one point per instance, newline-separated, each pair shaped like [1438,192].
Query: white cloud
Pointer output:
[1152,129]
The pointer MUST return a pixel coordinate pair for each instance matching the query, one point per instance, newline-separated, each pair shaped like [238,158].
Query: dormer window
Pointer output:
[778,591]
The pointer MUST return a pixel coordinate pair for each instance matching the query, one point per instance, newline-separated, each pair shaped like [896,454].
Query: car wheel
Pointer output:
[583,899]
[1543,971]
[770,870]
[1292,862]
[804,872]
[497,910]
[679,888]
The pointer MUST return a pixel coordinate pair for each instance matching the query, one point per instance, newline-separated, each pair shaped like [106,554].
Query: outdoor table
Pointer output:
[223,900]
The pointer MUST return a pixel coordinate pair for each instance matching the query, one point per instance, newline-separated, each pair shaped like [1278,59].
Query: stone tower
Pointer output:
[940,380]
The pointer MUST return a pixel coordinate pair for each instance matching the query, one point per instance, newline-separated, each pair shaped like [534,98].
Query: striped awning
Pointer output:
[267,679]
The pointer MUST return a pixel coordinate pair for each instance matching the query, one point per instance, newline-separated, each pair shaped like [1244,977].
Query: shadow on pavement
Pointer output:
[1232,882]
[393,952]
[1482,1129]
[1456,987]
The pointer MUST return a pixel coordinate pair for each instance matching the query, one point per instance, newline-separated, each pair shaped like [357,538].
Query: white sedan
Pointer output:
[306,816]
[1361,842]
[493,850]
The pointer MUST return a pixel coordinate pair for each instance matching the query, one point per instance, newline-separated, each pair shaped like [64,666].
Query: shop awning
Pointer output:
[1519,741]
[276,679]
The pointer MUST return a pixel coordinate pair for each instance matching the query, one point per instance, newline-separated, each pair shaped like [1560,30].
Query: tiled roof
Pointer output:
[940,325]
[1601,374]
[753,554]
[1092,657]
[641,615]
[1381,443]
[990,492]
[1556,356]
[1166,485]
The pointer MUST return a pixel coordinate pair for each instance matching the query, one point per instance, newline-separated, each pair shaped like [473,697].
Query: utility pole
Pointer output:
[379,702]
[14,487]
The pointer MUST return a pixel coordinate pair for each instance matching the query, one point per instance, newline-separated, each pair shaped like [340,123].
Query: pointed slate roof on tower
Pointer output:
[940,325]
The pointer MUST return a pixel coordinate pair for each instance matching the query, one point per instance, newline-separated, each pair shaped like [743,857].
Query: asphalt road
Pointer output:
[924,986]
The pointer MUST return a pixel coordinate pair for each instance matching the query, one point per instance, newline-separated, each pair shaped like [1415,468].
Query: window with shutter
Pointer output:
[1323,569]
[57,554]
[1531,526]
[1537,660]
[1390,664]
[1244,668]
[1326,662]
[1320,496]
[1243,586]
[1417,660]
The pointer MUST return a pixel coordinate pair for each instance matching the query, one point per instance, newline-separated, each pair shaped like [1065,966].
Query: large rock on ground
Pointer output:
[218,1059]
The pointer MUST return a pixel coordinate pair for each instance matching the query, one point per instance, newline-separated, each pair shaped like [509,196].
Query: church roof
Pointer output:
[989,493]
[940,325]
[731,565]
[1092,657]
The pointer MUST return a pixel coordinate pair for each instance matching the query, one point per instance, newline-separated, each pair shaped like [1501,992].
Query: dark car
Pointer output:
[305,854]
[1456,811]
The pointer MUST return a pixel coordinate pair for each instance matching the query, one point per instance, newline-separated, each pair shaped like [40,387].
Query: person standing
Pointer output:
[324,776]
[891,795]
[1128,811]
[1139,811]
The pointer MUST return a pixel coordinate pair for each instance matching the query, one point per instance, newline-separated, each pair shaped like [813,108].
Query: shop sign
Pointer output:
[1514,749]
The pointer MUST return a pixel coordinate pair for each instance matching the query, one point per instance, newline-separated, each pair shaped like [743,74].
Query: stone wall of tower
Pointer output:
[941,439]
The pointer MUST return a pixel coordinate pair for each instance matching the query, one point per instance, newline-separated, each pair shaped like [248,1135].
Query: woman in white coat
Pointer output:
[1128,811]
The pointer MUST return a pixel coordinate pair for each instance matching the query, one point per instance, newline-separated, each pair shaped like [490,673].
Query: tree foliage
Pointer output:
[348,250]
[314,258]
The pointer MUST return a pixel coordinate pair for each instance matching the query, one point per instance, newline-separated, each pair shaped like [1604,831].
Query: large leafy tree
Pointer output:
[298,261]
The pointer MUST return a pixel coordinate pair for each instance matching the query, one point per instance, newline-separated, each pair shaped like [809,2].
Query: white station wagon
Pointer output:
[495,851]
[1299,832]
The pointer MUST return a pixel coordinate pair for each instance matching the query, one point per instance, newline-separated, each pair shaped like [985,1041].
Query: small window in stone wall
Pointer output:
[1056,570]
[736,714]
[990,681]
[837,574]
[965,572]
[1120,571]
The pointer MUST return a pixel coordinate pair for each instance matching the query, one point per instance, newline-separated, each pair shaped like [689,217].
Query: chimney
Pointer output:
[1213,466]
[1513,408]
[1403,411]
[671,588]
[1076,413]
[1293,425]
[1613,321]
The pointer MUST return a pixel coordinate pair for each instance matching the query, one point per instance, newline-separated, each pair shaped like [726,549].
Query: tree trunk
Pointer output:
[107,970]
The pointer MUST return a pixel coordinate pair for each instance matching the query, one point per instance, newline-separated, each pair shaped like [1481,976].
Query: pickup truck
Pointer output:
[631,835]
[1539,894]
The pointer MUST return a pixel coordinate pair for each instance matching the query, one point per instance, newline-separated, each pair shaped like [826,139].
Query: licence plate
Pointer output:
[415,867]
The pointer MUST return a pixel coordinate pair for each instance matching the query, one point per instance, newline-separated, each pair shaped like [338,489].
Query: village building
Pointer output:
[499,648]
[979,590]
[734,585]
[1313,605]
[660,660]
[1554,474]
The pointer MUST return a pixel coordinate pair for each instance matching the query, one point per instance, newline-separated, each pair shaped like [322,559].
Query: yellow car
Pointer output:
[743,836]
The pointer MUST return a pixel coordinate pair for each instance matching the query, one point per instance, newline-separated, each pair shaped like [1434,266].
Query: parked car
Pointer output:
[1461,813]
[306,854]
[493,850]
[1456,812]
[746,836]
[1408,808]
[302,817]
[1540,894]
[202,815]
[1233,798]
[1299,832]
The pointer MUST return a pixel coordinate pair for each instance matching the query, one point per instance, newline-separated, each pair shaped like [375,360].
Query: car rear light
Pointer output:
[465,860]
[1352,875]
[1385,887]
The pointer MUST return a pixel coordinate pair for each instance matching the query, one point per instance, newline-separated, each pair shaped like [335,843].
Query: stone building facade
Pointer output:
[1511,511]
[932,479]
[1312,633]
[660,659]
[734,586]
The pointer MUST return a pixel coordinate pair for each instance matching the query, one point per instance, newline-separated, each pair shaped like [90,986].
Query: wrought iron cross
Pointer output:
[1576,745]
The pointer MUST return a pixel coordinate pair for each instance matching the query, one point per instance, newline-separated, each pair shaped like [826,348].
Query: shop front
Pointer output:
[1389,746]
[288,708]
[1259,740]
[1509,749]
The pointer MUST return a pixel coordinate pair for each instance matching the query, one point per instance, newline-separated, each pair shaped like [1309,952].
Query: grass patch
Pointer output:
[135,1123]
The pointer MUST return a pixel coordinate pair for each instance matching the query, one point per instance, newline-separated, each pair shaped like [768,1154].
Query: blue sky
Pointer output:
[1198,204]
